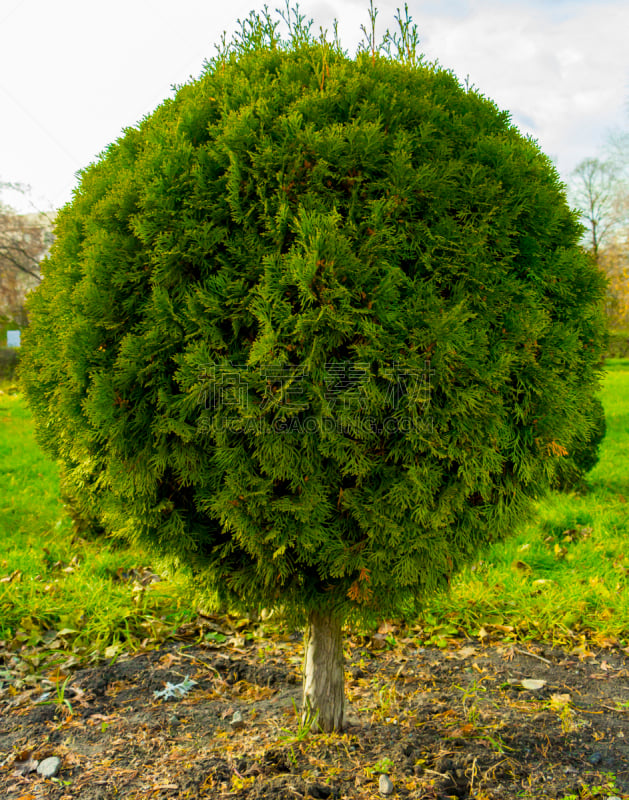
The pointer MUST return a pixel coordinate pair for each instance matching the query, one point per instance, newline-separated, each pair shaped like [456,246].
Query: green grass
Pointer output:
[53,581]
[563,578]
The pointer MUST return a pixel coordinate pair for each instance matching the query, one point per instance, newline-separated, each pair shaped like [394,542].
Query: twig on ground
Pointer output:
[199,661]
[533,655]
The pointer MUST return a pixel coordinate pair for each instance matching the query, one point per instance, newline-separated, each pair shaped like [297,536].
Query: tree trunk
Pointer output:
[324,678]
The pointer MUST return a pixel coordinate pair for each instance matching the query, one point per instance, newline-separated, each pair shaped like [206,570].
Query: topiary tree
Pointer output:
[318,327]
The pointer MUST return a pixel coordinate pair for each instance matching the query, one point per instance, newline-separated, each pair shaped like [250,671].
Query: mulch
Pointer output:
[481,719]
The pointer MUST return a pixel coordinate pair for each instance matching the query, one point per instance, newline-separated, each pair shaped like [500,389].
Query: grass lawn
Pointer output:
[563,578]
[92,594]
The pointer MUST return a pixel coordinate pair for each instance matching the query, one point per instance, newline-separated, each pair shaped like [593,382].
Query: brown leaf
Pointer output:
[168,660]
[466,729]
[387,627]
[14,576]
[25,766]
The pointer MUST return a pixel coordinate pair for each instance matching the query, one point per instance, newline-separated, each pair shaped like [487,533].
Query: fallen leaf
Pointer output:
[168,660]
[503,628]
[559,701]
[606,641]
[26,766]
[466,729]
[533,685]
[387,627]
[113,650]
[100,718]
[14,576]
[582,650]
[560,552]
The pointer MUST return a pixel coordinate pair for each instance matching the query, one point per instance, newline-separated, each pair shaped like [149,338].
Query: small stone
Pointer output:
[385,785]
[237,722]
[49,767]
[595,759]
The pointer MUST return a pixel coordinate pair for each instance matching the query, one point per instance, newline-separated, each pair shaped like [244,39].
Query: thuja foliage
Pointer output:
[318,327]
[584,452]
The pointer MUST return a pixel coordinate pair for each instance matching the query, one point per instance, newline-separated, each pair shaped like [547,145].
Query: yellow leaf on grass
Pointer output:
[113,650]
[67,632]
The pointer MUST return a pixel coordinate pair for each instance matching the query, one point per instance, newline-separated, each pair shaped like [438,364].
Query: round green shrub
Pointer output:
[319,327]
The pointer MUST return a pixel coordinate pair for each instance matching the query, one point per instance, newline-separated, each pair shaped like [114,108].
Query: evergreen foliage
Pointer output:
[584,452]
[319,326]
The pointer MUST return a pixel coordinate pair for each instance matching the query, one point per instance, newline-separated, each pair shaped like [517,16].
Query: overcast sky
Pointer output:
[74,73]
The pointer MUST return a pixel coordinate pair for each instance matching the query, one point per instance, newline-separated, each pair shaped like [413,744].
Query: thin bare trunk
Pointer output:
[324,679]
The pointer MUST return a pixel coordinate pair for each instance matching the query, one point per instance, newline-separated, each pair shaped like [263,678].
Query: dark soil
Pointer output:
[456,722]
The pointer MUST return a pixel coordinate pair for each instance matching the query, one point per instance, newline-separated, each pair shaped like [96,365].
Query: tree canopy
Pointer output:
[319,326]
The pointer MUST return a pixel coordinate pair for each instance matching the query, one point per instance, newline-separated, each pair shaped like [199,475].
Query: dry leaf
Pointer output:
[113,650]
[503,628]
[559,701]
[466,729]
[533,685]
[387,627]
[168,660]
[26,766]
[14,576]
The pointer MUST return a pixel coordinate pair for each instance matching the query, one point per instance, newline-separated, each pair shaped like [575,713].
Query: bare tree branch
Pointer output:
[24,241]
[594,189]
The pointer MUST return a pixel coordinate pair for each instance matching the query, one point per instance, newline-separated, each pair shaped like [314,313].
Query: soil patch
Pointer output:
[467,721]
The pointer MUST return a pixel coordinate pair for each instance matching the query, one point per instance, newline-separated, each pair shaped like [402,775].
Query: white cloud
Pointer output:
[73,74]
[560,69]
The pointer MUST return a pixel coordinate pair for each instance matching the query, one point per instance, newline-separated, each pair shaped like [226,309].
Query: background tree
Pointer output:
[600,190]
[595,190]
[24,241]
[614,262]
[320,328]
